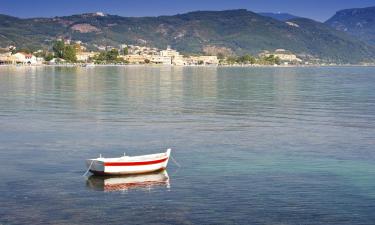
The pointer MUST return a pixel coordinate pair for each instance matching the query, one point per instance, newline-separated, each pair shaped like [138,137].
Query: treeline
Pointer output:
[63,51]
[60,50]
[68,53]
[110,56]
[249,59]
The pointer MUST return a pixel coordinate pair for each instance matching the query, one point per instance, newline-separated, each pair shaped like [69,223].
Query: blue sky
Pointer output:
[316,9]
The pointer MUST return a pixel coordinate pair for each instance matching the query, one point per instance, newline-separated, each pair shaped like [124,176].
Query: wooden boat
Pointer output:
[128,164]
[128,182]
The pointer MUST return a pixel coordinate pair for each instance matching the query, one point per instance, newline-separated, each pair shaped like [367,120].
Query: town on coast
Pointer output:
[68,52]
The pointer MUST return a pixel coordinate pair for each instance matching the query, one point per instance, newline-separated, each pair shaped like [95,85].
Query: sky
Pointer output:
[319,10]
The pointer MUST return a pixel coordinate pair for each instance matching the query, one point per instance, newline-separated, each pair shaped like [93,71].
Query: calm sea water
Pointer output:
[256,145]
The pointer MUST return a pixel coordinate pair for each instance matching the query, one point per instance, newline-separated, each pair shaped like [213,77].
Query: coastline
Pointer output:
[187,66]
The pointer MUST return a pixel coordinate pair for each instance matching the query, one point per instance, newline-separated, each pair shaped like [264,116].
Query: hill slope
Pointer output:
[239,31]
[357,22]
[279,16]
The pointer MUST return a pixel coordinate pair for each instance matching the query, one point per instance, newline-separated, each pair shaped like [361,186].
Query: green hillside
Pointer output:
[357,22]
[237,31]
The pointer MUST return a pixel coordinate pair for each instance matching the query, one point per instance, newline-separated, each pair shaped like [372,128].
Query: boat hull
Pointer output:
[125,166]
[124,171]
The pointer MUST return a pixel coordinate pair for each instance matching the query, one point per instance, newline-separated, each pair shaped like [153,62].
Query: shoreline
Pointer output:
[192,66]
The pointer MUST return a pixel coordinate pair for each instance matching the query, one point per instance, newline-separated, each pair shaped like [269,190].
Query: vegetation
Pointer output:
[246,59]
[66,52]
[70,53]
[125,51]
[48,56]
[249,59]
[25,50]
[58,49]
[270,60]
[357,22]
[240,31]
[110,56]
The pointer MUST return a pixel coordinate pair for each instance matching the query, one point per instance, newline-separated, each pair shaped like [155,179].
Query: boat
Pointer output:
[129,182]
[128,164]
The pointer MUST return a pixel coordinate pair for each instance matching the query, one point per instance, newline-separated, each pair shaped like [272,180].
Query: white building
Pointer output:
[24,58]
[169,52]
[177,59]
[283,55]
[5,58]
[202,60]
[85,56]
[136,59]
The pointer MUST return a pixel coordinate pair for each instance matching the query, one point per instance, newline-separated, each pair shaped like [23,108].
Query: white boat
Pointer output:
[128,164]
[125,183]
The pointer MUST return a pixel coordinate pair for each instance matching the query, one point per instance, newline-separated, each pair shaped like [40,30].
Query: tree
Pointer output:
[25,50]
[112,55]
[108,56]
[246,59]
[101,57]
[58,49]
[69,53]
[231,59]
[220,55]
[48,57]
[271,59]
[126,51]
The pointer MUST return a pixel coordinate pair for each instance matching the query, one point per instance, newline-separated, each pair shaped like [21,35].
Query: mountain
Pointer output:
[357,22]
[279,16]
[231,31]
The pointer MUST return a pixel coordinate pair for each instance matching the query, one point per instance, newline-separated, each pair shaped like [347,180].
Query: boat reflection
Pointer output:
[125,183]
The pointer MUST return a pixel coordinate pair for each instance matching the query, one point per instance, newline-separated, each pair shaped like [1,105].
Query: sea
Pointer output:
[282,146]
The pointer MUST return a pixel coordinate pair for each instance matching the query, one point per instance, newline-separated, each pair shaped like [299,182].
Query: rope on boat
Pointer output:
[88,168]
[175,162]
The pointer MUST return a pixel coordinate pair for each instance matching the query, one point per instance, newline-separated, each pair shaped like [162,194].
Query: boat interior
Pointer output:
[133,158]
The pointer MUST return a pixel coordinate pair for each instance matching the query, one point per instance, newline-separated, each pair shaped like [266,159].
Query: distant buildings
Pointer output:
[157,59]
[20,58]
[140,50]
[136,59]
[176,58]
[202,60]
[130,54]
[85,56]
[142,54]
[5,58]
[283,55]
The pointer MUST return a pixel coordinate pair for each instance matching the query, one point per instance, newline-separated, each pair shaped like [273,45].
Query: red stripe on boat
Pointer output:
[135,163]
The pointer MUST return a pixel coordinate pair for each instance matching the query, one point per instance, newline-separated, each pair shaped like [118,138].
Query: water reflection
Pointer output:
[124,183]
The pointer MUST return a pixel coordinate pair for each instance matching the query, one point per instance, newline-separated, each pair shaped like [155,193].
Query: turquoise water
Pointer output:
[256,145]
